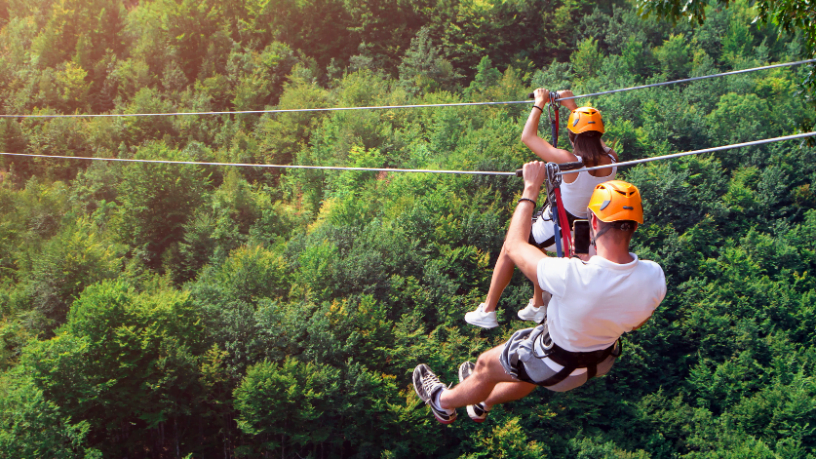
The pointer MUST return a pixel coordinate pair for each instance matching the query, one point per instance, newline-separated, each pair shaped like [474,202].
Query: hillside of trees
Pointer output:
[165,311]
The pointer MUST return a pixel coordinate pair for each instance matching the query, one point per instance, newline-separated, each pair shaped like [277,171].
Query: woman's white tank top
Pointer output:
[576,195]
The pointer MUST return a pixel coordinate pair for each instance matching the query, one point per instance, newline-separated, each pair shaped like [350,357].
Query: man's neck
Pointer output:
[616,253]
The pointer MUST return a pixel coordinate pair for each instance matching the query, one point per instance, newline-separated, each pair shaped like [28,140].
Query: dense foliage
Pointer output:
[182,311]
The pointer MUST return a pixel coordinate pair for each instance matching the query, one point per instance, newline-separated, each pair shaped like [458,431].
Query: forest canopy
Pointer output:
[156,310]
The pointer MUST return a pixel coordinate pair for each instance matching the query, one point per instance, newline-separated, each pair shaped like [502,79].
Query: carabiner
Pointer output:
[552,115]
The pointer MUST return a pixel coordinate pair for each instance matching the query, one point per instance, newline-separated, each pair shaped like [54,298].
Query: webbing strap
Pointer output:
[564,223]
[552,113]
[554,197]
[560,376]
[571,361]
[559,250]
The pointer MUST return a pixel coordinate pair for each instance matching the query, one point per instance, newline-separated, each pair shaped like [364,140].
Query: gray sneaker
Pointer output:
[476,412]
[426,385]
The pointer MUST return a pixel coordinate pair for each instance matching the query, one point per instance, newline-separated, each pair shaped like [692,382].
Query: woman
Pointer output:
[585,128]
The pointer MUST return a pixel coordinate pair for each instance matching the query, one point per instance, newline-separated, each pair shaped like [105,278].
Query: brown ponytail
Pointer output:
[588,146]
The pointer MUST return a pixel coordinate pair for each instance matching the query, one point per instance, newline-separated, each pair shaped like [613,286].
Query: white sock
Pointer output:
[437,402]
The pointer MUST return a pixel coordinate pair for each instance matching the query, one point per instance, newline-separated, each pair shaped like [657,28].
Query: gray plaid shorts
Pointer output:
[524,350]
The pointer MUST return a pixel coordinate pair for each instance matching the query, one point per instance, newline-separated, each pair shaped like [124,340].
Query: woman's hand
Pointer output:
[570,104]
[542,97]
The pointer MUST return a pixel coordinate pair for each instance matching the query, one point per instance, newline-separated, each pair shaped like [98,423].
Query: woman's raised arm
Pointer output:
[530,137]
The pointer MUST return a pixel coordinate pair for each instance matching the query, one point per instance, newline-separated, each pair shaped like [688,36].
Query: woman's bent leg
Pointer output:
[538,295]
[502,275]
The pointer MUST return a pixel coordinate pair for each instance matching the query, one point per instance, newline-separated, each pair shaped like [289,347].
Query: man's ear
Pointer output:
[593,220]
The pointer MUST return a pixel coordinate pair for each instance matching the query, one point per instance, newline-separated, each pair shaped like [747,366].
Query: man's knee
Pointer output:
[486,361]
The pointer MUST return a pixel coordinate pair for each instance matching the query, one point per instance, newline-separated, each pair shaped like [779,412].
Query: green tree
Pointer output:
[423,69]
[674,57]
[586,60]
[32,426]
[790,16]
[287,406]
[123,359]
[155,201]
[69,262]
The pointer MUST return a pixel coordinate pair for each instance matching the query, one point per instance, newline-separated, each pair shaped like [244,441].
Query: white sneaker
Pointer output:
[480,318]
[532,313]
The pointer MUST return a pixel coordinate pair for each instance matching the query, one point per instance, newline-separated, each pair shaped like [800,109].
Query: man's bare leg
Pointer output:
[479,386]
[502,275]
[507,392]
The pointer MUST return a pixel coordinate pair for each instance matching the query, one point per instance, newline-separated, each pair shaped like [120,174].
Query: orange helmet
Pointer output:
[616,200]
[585,119]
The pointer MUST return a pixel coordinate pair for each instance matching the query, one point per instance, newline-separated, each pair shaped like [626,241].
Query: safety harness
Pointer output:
[544,347]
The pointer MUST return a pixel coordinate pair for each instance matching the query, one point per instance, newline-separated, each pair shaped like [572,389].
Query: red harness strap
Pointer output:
[564,239]
[563,222]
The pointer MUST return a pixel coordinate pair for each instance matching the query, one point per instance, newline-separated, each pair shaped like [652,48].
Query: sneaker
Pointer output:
[477,412]
[480,318]
[426,385]
[530,312]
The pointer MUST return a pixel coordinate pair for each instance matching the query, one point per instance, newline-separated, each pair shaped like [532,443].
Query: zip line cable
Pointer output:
[426,171]
[696,152]
[385,107]
[269,166]
[688,80]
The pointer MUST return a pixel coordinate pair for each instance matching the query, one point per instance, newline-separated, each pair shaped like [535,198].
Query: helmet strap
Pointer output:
[625,226]
[594,237]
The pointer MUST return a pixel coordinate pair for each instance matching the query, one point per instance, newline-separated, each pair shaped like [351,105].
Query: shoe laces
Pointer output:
[429,382]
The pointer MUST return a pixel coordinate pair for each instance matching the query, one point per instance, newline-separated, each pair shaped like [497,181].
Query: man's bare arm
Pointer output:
[524,255]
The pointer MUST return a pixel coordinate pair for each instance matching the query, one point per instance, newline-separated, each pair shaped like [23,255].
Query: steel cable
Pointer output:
[426,171]
[386,107]
[270,166]
[696,152]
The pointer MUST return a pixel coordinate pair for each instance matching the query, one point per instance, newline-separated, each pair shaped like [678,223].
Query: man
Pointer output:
[593,303]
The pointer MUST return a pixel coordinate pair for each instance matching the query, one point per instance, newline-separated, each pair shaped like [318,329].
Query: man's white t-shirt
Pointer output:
[595,302]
